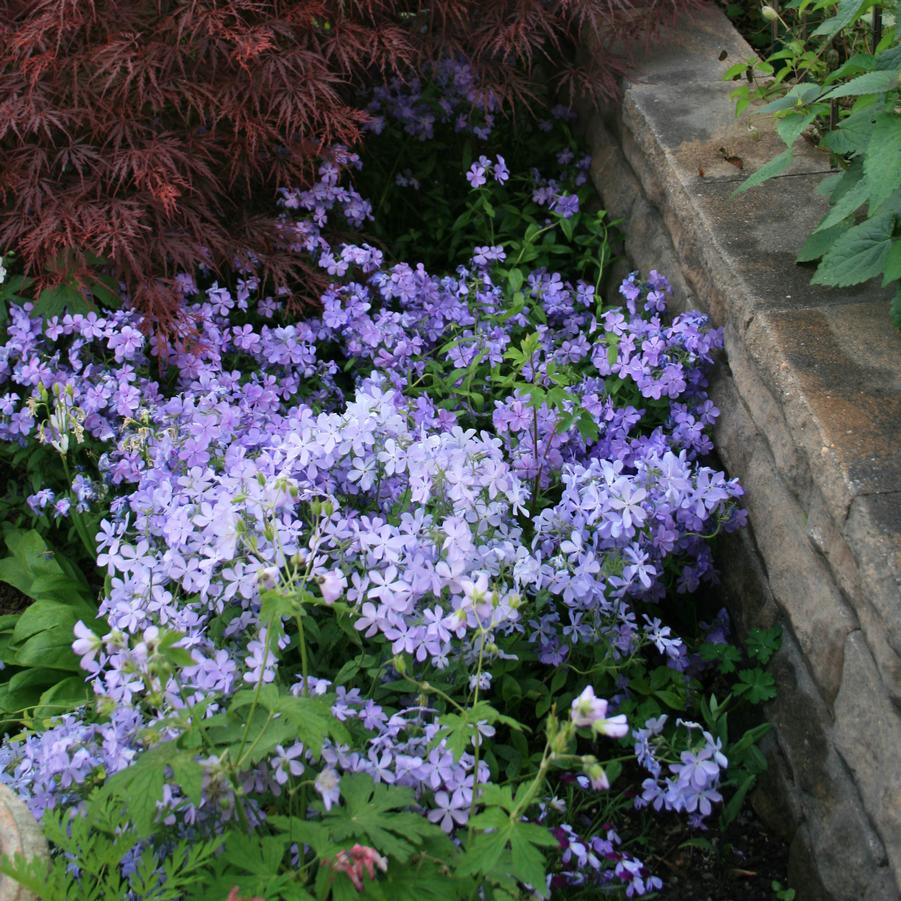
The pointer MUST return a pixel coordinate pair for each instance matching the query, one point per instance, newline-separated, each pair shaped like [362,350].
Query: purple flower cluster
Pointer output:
[252,468]
[692,783]
[447,95]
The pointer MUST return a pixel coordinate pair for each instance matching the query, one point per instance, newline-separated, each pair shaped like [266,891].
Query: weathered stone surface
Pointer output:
[846,849]
[803,872]
[774,798]
[798,578]
[844,411]
[19,834]
[868,736]
[692,130]
[810,404]
[881,886]
[873,530]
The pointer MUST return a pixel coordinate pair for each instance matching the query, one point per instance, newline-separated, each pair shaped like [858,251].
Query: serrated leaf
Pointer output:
[188,775]
[858,255]
[845,14]
[882,162]
[850,200]
[756,685]
[892,264]
[820,241]
[776,166]
[895,309]
[140,786]
[792,126]
[869,83]
[853,134]
[483,853]
[376,813]
[56,300]
[529,864]
[802,93]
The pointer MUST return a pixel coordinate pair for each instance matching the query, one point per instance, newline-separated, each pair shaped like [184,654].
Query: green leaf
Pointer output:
[24,688]
[892,263]
[791,127]
[140,786]
[895,309]
[732,807]
[55,301]
[529,864]
[845,14]
[802,93]
[820,241]
[850,200]
[348,671]
[761,644]
[769,170]
[483,853]
[65,694]
[44,634]
[756,685]
[882,163]
[727,656]
[859,254]
[515,279]
[188,775]
[374,813]
[853,134]
[870,83]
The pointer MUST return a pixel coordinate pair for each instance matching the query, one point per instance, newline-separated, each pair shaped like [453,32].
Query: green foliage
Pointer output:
[782,892]
[832,84]
[378,815]
[41,675]
[99,843]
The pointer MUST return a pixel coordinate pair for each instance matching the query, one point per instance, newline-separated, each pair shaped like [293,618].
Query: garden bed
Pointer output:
[401,595]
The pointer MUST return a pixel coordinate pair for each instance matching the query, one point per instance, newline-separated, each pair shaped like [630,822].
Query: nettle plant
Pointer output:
[392,596]
[838,77]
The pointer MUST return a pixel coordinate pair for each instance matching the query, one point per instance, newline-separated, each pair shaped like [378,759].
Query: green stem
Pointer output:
[301,640]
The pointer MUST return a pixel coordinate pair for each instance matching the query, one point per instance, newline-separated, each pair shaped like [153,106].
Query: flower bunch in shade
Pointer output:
[478,172]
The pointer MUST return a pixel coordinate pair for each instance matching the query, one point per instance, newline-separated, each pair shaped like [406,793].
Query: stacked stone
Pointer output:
[810,422]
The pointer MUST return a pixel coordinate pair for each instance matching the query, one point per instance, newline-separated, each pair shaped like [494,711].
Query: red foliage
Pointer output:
[155,133]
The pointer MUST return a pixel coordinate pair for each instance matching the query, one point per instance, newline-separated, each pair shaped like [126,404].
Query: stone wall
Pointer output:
[810,401]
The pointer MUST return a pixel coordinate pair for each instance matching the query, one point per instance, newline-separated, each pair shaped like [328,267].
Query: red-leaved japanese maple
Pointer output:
[154,134]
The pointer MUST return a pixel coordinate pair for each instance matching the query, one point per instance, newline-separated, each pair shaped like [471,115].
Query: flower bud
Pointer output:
[598,777]
[769,13]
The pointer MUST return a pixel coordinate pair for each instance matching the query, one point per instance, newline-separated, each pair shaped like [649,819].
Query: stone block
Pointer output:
[798,577]
[611,173]
[825,535]
[810,406]
[873,531]
[881,887]
[19,834]
[691,132]
[803,872]
[768,416]
[775,799]
[868,736]
[844,849]
[843,408]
